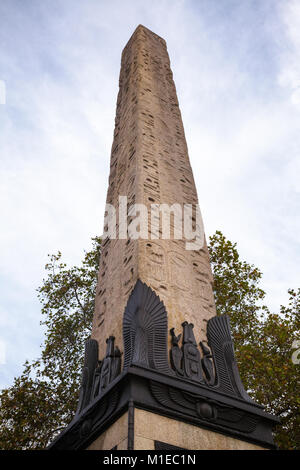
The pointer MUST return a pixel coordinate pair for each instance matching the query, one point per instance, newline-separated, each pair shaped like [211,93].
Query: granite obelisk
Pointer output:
[150,165]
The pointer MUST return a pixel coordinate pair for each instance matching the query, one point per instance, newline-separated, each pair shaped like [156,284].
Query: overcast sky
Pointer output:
[236,66]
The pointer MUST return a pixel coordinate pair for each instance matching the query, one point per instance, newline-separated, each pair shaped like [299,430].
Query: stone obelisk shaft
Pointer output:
[159,396]
[150,165]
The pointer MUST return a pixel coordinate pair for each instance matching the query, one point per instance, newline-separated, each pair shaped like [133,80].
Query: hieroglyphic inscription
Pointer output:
[150,165]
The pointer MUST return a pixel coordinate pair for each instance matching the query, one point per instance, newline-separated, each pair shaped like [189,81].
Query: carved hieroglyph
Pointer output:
[150,165]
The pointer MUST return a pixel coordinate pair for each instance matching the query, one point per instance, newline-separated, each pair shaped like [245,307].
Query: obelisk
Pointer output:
[150,165]
[159,370]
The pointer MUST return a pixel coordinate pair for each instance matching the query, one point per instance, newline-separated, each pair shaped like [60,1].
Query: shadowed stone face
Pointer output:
[150,165]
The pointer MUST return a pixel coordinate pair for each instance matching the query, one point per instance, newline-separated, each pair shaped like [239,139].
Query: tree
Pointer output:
[263,340]
[43,399]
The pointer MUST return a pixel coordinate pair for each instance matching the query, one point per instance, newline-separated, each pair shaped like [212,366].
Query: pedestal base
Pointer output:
[195,402]
[143,409]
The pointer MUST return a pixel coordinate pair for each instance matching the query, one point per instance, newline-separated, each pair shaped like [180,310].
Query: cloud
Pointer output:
[2,352]
[2,92]
[289,77]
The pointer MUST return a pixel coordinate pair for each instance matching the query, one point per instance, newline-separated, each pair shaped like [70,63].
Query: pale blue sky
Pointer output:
[236,66]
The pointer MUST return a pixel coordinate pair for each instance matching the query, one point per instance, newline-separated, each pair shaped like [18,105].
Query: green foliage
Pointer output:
[263,341]
[43,399]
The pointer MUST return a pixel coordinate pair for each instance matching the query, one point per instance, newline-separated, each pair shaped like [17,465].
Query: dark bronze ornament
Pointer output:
[186,361]
[111,364]
[97,375]
[201,389]
[191,354]
[208,410]
[89,367]
[176,354]
[207,364]
[217,368]
[220,341]
[145,327]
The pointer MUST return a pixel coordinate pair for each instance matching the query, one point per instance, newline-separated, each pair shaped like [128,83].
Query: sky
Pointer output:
[236,67]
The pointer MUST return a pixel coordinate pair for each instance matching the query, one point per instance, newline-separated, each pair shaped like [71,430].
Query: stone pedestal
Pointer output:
[155,404]
[151,431]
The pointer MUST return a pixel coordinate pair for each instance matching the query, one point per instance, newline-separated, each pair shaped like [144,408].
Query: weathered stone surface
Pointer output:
[150,427]
[150,164]
[116,435]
